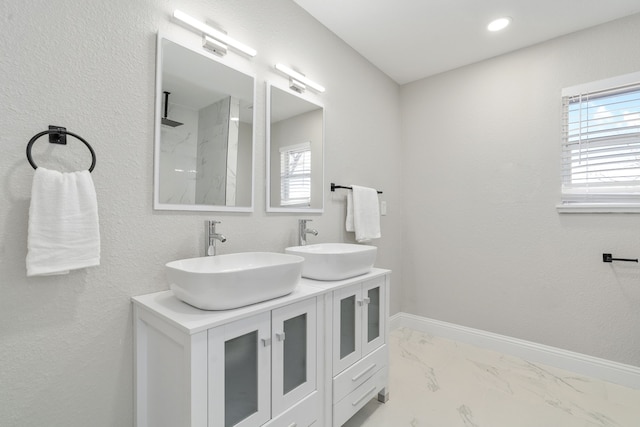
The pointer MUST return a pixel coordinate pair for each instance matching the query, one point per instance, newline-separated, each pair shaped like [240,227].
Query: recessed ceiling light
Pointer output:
[499,24]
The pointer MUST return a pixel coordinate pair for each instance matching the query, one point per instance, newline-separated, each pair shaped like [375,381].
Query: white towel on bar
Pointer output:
[363,213]
[349,221]
[63,230]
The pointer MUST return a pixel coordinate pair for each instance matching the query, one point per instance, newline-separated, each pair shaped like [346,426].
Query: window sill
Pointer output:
[598,208]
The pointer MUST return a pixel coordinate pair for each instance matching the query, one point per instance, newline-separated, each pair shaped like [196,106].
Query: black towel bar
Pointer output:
[610,258]
[57,135]
[334,186]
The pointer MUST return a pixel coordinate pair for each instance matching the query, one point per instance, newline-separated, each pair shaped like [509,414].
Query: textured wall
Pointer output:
[482,178]
[66,342]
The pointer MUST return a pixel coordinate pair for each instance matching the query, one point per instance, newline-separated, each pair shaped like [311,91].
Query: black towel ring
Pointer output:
[59,131]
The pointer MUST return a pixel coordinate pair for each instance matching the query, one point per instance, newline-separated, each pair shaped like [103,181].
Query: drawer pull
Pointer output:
[293,425]
[364,396]
[361,374]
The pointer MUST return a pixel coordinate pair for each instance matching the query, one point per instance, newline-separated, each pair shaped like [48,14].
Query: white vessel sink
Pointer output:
[334,261]
[229,281]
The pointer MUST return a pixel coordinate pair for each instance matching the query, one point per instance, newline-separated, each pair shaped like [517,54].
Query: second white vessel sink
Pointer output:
[335,261]
[230,281]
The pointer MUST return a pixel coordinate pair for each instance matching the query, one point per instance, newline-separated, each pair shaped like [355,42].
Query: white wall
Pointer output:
[481,164]
[66,342]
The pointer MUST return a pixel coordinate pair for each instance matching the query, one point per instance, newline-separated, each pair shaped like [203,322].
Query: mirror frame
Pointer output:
[313,100]
[197,48]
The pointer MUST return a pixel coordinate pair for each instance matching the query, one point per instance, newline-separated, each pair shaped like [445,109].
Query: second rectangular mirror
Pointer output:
[295,152]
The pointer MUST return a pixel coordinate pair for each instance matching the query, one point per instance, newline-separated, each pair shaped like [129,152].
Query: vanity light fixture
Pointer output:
[499,24]
[217,40]
[297,81]
[214,45]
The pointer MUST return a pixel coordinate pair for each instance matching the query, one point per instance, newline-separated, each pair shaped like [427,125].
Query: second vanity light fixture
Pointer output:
[214,40]
[298,81]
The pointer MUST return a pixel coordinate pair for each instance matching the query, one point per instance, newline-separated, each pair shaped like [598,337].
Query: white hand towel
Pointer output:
[63,230]
[349,221]
[366,213]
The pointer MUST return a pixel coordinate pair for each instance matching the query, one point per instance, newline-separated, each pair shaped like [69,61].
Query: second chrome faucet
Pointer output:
[303,231]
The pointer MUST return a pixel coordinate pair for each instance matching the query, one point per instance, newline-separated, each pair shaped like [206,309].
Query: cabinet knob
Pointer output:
[266,342]
[280,336]
[367,300]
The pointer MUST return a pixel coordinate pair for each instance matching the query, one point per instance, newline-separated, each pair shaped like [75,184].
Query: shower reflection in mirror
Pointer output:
[295,139]
[204,149]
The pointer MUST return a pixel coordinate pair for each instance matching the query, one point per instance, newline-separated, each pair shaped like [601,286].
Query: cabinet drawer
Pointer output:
[354,376]
[302,414]
[359,397]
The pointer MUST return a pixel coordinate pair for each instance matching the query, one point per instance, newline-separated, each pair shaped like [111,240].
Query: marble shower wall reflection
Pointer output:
[178,159]
[218,133]
[199,159]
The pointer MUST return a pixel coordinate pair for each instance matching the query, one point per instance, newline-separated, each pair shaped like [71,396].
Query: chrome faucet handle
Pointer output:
[211,225]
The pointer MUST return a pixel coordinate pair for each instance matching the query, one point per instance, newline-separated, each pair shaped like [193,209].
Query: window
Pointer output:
[295,175]
[601,146]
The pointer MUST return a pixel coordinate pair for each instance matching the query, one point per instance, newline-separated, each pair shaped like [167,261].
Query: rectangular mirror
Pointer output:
[204,151]
[295,152]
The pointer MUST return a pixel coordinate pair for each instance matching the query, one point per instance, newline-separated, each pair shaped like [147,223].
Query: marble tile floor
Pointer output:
[435,382]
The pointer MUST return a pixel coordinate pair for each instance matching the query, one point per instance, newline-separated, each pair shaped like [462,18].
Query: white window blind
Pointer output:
[601,145]
[295,175]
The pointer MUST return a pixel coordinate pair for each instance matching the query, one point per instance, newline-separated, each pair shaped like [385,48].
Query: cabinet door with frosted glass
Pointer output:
[374,314]
[294,354]
[347,327]
[239,359]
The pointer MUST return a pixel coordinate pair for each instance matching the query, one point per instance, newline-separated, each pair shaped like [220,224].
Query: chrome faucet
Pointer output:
[211,237]
[303,231]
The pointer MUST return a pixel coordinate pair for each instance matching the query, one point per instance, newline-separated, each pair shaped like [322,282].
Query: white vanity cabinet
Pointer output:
[261,366]
[359,317]
[356,351]
[249,367]
[313,357]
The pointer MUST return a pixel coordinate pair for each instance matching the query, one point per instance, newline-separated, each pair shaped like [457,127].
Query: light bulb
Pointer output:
[499,24]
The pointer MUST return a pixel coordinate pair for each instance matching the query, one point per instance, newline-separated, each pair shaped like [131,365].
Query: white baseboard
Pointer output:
[582,364]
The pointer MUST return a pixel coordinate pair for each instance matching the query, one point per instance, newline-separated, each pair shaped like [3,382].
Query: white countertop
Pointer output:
[193,320]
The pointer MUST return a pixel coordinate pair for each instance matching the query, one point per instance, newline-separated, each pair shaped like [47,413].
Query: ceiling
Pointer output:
[412,39]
